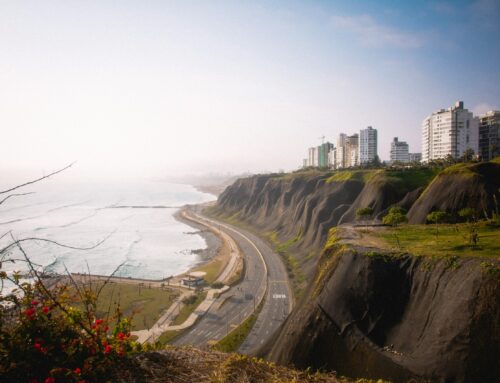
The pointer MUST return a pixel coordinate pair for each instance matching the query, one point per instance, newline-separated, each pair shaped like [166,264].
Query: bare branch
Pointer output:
[37,180]
[14,195]
[44,288]
[35,239]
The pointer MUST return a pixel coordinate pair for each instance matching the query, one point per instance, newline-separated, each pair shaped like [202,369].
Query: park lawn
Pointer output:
[145,304]
[186,310]
[212,269]
[451,240]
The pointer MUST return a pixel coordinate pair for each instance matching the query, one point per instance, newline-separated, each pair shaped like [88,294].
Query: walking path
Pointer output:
[163,324]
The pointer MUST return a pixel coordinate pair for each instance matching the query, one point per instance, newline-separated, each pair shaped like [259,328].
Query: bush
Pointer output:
[43,338]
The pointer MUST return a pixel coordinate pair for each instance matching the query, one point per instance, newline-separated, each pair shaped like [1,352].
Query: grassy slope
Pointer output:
[452,240]
[186,310]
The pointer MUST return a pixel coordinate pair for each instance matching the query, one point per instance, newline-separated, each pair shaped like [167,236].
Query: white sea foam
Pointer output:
[145,236]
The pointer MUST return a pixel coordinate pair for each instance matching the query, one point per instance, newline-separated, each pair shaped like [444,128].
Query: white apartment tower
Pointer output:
[352,150]
[312,159]
[340,152]
[449,132]
[399,151]
[367,145]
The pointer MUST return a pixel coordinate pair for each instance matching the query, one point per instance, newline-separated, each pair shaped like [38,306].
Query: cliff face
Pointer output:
[397,317]
[363,314]
[306,205]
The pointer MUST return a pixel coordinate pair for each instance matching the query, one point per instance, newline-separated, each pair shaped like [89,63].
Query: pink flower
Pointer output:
[50,380]
[77,371]
[45,309]
[37,346]
[98,321]
[107,349]
[34,302]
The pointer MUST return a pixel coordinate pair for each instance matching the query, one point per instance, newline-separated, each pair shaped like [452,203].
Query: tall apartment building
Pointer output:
[489,135]
[323,151]
[312,159]
[415,157]
[399,151]
[352,150]
[332,158]
[367,145]
[340,152]
[449,132]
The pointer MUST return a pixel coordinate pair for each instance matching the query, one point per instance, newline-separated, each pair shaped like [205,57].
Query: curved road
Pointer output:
[265,276]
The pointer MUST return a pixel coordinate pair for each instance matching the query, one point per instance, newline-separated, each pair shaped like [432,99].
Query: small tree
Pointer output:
[436,217]
[396,216]
[364,213]
[469,215]
[468,155]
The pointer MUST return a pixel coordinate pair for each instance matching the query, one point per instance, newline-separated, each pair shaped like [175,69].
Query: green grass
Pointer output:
[362,175]
[291,264]
[169,336]
[144,304]
[232,341]
[452,240]
[186,310]
[411,179]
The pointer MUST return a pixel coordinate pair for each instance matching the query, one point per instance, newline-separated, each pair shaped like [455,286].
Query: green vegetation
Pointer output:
[292,265]
[410,179]
[361,175]
[437,217]
[190,305]
[139,301]
[232,341]
[453,240]
[169,336]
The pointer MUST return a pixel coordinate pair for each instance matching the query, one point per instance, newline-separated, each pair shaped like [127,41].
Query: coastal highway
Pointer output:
[265,277]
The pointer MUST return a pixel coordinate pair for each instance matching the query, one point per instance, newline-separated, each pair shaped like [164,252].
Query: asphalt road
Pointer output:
[265,276]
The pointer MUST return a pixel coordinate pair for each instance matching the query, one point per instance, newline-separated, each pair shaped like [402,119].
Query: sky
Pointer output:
[156,88]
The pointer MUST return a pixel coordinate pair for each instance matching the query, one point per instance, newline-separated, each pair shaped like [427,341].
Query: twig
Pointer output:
[14,195]
[54,243]
[37,180]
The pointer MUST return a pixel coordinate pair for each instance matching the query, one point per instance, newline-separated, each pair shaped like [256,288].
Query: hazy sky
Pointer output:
[164,87]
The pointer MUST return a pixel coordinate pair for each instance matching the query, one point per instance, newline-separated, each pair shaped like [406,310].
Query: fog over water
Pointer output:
[138,217]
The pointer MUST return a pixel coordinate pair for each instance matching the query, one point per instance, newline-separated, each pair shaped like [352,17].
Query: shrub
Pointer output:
[43,338]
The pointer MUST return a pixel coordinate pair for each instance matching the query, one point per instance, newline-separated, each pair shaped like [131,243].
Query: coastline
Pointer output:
[213,242]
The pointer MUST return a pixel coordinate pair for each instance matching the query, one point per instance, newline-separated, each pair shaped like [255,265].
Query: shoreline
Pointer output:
[206,255]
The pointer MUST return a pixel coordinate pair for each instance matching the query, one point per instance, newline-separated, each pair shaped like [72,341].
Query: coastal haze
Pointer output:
[168,88]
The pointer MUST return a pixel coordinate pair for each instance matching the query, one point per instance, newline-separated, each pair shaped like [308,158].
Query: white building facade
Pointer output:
[399,151]
[449,132]
[312,159]
[367,145]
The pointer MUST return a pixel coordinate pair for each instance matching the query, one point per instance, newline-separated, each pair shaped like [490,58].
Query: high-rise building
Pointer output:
[449,132]
[367,145]
[323,151]
[332,158]
[340,152]
[415,157]
[312,159]
[352,150]
[489,135]
[399,151]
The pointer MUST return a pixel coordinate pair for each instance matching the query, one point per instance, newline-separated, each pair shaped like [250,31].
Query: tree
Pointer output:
[469,215]
[436,217]
[364,213]
[468,155]
[396,216]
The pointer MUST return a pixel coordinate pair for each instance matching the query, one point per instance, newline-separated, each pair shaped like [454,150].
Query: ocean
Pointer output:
[135,220]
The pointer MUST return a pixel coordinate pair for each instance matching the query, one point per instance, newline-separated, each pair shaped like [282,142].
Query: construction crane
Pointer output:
[322,138]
